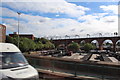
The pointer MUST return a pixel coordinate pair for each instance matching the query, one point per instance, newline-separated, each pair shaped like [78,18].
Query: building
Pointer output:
[2,33]
[29,36]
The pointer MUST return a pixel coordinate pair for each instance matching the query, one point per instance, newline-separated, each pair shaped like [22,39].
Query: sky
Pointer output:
[60,17]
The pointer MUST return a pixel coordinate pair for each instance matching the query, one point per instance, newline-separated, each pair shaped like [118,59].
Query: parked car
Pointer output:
[13,65]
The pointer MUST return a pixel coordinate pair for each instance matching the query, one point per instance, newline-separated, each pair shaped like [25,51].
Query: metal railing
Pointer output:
[101,70]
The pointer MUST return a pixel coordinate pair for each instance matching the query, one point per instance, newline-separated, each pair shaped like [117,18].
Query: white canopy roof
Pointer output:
[7,47]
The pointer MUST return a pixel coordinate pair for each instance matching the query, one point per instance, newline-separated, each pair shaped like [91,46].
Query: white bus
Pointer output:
[13,65]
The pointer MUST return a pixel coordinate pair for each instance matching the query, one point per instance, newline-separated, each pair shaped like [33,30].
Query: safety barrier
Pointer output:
[101,70]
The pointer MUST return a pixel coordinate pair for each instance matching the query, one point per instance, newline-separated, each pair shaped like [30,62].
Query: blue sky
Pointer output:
[61,18]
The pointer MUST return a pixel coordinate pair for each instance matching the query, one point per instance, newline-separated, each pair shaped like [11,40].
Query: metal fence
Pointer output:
[101,70]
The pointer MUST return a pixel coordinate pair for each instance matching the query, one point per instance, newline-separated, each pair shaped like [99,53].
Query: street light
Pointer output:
[18,27]
[88,35]
[67,36]
[100,34]
[115,33]
[77,36]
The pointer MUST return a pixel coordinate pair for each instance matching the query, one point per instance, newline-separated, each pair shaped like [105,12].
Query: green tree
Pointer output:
[9,39]
[73,47]
[27,45]
[88,46]
[47,44]
[39,45]
[13,40]
[43,40]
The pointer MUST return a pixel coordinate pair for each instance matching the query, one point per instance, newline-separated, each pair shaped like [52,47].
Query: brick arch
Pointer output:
[97,42]
[112,44]
[107,39]
[117,41]
[117,49]
[93,40]
[100,41]
[88,40]
[82,41]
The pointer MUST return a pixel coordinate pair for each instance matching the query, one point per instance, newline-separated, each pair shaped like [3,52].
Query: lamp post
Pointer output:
[115,33]
[88,35]
[18,27]
[77,36]
[100,34]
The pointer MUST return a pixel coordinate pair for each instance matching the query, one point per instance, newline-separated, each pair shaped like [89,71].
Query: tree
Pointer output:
[24,46]
[9,39]
[43,43]
[43,40]
[39,45]
[13,40]
[73,47]
[27,45]
[88,47]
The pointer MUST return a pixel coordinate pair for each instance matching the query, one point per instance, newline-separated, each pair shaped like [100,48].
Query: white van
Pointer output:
[13,65]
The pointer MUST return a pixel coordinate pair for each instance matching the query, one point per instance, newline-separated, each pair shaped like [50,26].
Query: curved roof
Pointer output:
[8,47]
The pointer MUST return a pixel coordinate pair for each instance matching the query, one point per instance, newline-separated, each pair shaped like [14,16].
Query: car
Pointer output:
[13,65]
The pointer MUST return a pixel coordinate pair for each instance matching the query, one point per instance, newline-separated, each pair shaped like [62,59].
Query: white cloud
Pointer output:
[100,15]
[58,6]
[30,18]
[7,12]
[110,8]
[64,27]
[105,24]
[57,15]
[88,17]
[59,0]
[44,26]
[109,19]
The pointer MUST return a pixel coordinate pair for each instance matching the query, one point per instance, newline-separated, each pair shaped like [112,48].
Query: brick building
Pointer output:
[2,33]
[29,36]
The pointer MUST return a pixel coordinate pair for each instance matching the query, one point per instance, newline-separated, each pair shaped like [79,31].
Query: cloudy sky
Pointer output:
[60,17]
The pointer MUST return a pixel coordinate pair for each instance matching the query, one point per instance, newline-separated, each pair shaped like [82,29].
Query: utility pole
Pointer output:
[18,27]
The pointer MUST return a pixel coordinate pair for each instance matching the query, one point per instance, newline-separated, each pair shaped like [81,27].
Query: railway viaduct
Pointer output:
[100,41]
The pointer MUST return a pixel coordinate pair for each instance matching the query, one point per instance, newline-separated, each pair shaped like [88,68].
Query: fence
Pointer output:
[101,70]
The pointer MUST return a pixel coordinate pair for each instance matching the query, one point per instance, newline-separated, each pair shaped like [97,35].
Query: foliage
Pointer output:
[39,46]
[43,40]
[73,47]
[88,46]
[26,44]
[108,44]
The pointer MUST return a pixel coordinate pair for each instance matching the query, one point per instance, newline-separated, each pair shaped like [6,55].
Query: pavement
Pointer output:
[113,59]
[93,57]
[74,56]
